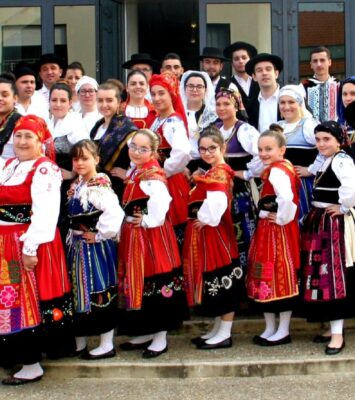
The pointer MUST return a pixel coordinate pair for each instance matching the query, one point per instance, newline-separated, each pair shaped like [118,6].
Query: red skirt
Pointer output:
[274,258]
[179,189]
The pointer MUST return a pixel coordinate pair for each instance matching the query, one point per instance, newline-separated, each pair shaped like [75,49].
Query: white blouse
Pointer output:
[45,193]
[71,126]
[213,208]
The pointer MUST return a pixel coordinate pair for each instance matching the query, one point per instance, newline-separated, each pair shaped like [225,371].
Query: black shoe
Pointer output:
[331,351]
[321,339]
[153,354]
[259,340]
[224,344]
[198,340]
[13,381]
[285,340]
[88,356]
[128,346]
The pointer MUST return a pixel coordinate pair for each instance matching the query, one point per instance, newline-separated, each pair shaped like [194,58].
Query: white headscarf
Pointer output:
[209,113]
[86,80]
[295,92]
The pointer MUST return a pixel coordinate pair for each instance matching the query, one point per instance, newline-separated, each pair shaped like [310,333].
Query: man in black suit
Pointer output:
[240,53]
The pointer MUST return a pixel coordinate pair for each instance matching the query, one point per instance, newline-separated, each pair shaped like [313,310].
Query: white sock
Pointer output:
[223,333]
[30,371]
[270,325]
[337,326]
[214,330]
[141,339]
[81,342]
[159,341]
[106,344]
[284,327]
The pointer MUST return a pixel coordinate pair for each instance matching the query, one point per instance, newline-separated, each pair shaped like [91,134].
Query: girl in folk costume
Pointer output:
[328,239]
[95,218]
[210,254]
[35,307]
[274,250]
[174,149]
[137,107]
[149,270]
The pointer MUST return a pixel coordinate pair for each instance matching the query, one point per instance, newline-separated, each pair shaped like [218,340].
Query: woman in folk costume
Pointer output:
[95,218]
[275,251]
[35,306]
[174,149]
[328,251]
[136,106]
[150,279]
[210,254]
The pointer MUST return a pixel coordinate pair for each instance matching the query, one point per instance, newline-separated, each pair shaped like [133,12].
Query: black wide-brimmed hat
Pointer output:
[275,60]
[212,52]
[141,58]
[51,58]
[229,50]
[349,114]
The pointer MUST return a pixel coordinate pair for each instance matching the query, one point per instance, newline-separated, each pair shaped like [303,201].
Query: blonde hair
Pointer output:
[152,136]
[275,131]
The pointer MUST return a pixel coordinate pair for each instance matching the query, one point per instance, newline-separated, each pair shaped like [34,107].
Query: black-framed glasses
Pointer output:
[139,150]
[84,92]
[210,149]
[191,87]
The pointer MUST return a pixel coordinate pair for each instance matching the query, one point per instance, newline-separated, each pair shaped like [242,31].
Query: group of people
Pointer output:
[122,206]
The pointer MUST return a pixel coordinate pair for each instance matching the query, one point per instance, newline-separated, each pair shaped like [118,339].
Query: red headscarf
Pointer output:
[170,82]
[39,127]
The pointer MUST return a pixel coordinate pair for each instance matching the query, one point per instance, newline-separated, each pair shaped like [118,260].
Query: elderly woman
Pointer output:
[35,303]
[198,97]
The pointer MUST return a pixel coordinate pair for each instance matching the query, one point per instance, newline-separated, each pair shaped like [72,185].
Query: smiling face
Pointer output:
[85,164]
[107,103]
[195,90]
[59,103]
[213,66]
[140,150]
[348,93]
[210,151]
[72,76]
[269,150]
[27,146]
[326,144]
[289,108]
[161,100]
[225,109]
[50,74]
[87,97]
[265,74]
[137,87]
[7,99]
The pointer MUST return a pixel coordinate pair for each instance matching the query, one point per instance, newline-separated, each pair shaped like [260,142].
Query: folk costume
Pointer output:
[6,140]
[35,306]
[94,207]
[151,291]
[143,116]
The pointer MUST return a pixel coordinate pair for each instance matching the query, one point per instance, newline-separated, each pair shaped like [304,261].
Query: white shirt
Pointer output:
[213,208]
[268,110]
[71,126]
[44,92]
[90,119]
[38,107]
[244,84]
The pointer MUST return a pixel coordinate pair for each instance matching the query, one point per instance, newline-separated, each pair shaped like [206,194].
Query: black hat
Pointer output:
[23,69]
[333,128]
[276,60]
[141,58]
[51,58]
[349,114]
[212,52]
[229,50]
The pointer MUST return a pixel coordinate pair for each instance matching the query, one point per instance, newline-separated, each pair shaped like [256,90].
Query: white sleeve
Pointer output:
[213,208]
[158,203]
[317,164]
[175,133]
[110,221]
[45,193]
[286,208]
[344,169]
[308,130]
[78,129]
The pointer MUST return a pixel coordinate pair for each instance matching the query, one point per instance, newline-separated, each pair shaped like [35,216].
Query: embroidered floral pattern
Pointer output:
[8,296]
[151,288]
[226,282]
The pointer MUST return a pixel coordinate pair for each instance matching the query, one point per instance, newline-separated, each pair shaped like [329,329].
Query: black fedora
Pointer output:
[229,50]
[51,58]
[275,60]
[212,52]
[141,58]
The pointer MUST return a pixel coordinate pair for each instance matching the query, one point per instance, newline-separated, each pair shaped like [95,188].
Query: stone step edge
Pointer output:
[201,369]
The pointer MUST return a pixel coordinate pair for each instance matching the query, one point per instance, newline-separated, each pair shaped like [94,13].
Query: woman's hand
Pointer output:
[29,262]
[90,237]
[67,175]
[272,217]
[198,225]
[302,172]
[137,220]
[119,173]
[334,210]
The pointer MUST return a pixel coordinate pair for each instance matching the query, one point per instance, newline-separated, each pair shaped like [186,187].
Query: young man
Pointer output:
[50,69]
[28,100]
[240,53]
[263,110]
[172,62]
[321,90]
[142,62]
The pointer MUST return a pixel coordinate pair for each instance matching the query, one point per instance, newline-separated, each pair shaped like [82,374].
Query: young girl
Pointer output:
[211,263]
[95,218]
[327,241]
[149,273]
[274,250]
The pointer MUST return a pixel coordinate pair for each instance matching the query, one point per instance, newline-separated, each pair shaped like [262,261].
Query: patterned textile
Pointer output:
[322,100]
[6,128]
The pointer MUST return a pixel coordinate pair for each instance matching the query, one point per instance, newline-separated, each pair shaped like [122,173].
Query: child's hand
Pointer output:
[334,210]
[239,174]
[119,172]
[198,225]
[29,262]
[137,220]
[90,237]
[302,172]
[67,175]
[272,217]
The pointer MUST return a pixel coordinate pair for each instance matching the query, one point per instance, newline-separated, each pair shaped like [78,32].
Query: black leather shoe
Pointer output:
[285,340]
[13,381]
[152,353]
[224,344]
[128,346]
[331,351]
[88,356]
[321,339]
[259,340]
[198,340]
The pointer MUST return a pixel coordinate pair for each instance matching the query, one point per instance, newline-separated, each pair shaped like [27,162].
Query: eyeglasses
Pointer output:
[190,86]
[210,149]
[84,92]
[140,150]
